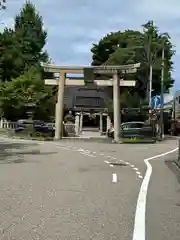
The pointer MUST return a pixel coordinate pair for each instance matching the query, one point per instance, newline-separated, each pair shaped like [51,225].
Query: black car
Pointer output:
[128,129]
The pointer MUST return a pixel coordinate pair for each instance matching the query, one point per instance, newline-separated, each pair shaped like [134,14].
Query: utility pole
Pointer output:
[162,96]
[150,82]
[149,55]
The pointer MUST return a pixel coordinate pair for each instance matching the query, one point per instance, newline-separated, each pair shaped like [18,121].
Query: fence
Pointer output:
[7,125]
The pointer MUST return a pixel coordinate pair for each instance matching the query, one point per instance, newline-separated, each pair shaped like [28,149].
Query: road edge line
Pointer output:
[139,231]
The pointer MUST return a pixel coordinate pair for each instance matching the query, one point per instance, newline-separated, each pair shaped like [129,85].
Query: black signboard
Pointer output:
[88,75]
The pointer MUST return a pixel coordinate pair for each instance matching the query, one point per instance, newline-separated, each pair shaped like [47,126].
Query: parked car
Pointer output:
[128,129]
[34,126]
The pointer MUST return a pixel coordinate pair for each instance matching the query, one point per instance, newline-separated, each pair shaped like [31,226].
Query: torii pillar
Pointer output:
[59,113]
[116,107]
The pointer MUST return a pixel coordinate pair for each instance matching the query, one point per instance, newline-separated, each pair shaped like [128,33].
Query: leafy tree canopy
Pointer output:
[22,47]
[21,51]
[130,46]
[27,89]
[31,35]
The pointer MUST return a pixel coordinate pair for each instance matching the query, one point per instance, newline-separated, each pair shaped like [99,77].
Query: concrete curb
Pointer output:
[177,163]
[64,138]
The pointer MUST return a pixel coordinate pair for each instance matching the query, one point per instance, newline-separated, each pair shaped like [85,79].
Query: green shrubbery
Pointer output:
[35,135]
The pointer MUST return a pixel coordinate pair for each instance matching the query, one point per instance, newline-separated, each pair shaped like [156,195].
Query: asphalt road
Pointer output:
[86,190]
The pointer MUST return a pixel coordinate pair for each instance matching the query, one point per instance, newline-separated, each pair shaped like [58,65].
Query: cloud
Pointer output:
[74,25]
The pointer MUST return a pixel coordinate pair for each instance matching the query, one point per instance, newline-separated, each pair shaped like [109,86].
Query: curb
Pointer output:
[177,163]
[52,140]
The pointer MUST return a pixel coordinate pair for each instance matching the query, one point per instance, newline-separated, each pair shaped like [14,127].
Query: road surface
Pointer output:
[86,190]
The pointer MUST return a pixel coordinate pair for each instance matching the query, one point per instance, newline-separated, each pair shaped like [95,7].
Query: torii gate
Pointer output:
[88,72]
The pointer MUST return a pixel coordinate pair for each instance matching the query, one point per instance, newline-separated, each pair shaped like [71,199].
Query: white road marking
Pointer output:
[135,169]
[140,215]
[81,150]
[106,162]
[114,177]
[87,151]
[127,163]
[88,154]
[102,154]
[122,161]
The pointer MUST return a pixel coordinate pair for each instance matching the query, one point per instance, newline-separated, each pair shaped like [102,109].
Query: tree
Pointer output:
[2,4]
[28,88]
[31,36]
[22,47]
[8,53]
[133,46]
[21,51]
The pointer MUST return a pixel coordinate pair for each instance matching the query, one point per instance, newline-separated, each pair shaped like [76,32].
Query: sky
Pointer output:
[74,25]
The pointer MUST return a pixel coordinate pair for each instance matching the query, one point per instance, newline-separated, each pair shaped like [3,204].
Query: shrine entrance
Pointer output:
[90,120]
[95,122]
[116,81]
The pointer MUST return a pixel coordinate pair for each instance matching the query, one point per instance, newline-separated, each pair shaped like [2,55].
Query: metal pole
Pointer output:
[116,105]
[149,56]
[162,97]
[150,84]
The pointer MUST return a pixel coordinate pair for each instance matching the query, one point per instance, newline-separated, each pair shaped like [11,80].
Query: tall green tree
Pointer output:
[31,35]
[9,55]
[21,51]
[131,46]
[2,4]
[22,47]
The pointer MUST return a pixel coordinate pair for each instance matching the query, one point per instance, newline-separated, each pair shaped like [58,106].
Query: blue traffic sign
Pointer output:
[156,101]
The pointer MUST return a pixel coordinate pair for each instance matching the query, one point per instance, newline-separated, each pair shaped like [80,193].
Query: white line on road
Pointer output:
[114,177]
[88,154]
[135,169]
[106,162]
[140,215]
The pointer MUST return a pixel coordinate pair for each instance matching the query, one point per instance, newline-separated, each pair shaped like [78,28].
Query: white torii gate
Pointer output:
[116,82]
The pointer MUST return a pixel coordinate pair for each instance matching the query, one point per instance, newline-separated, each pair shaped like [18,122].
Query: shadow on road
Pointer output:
[16,152]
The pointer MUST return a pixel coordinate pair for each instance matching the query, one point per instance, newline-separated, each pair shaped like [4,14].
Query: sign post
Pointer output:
[156,101]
